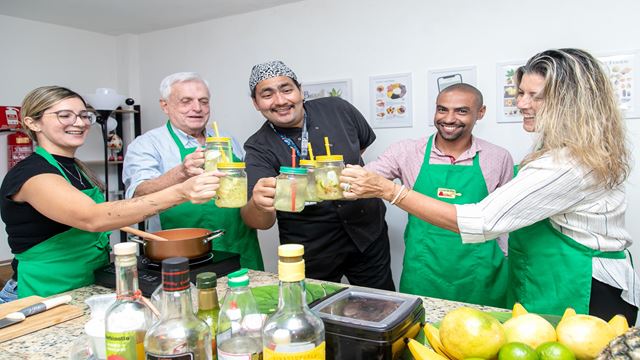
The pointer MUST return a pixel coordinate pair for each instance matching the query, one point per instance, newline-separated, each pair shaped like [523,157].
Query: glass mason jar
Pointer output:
[310,165]
[291,189]
[327,174]
[218,149]
[232,192]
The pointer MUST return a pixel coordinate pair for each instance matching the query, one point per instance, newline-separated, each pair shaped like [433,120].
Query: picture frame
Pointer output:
[506,91]
[439,79]
[623,70]
[391,101]
[319,89]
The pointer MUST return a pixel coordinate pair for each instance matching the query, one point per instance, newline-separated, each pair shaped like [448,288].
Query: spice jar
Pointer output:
[327,175]
[232,192]
[218,149]
[291,189]
[310,165]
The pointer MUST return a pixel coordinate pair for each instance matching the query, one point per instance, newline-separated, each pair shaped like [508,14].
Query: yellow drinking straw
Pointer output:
[310,152]
[327,146]
[215,129]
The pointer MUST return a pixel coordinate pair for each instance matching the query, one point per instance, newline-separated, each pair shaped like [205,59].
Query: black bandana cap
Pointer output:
[268,70]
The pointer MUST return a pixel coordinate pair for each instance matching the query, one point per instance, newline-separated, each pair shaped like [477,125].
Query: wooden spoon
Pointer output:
[143,234]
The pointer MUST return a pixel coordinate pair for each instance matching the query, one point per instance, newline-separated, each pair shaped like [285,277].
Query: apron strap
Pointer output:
[611,254]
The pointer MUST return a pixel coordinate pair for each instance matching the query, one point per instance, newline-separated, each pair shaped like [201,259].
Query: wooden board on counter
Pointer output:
[36,322]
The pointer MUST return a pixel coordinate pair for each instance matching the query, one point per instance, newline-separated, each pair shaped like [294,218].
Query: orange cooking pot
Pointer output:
[187,242]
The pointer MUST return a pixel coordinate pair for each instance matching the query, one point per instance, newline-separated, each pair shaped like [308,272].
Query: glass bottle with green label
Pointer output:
[293,331]
[208,306]
[179,334]
[127,319]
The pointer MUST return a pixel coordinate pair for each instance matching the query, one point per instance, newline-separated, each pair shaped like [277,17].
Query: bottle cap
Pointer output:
[206,280]
[290,250]
[329,158]
[238,278]
[231,165]
[292,170]
[175,274]
[290,262]
[125,248]
[218,139]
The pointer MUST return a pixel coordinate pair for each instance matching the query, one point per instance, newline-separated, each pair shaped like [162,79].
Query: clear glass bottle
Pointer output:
[127,319]
[310,165]
[328,170]
[208,306]
[293,331]
[232,192]
[217,149]
[291,189]
[240,323]
[179,334]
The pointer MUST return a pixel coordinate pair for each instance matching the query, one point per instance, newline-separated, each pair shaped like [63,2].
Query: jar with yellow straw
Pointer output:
[327,175]
[310,165]
[218,149]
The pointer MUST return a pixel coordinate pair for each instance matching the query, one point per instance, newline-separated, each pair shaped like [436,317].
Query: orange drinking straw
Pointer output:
[215,129]
[327,146]
[293,181]
[310,151]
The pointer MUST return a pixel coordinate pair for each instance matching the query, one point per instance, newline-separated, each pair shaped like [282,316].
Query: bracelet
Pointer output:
[403,196]
[393,202]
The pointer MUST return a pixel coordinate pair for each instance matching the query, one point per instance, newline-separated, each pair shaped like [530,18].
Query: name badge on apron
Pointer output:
[448,193]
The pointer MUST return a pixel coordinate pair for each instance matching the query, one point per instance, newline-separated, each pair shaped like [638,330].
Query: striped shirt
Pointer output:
[557,187]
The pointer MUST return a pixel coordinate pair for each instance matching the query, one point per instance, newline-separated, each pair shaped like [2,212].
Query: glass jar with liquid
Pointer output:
[291,189]
[232,192]
[218,149]
[310,165]
[327,175]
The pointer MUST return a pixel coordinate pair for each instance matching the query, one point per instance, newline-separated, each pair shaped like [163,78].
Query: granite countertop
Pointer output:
[55,342]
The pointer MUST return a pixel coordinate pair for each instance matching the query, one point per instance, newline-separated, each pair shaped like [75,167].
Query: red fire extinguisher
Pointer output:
[19,147]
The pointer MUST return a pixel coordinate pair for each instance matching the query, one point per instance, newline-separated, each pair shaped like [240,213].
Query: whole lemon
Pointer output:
[530,329]
[554,350]
[517,351]
[467,333]
[585,335]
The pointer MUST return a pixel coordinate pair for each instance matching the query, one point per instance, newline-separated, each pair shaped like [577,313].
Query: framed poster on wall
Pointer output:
[390,98]
[439,79]
[506,91]
[320,89]
[623,69]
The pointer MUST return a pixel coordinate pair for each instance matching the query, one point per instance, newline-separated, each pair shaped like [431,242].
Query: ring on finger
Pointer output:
[346,187]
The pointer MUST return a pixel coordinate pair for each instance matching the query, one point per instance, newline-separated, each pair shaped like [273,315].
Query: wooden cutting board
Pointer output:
[36,322]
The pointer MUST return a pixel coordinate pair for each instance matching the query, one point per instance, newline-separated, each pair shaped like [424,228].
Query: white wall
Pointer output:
[326,40]
[334,39]
[36,54]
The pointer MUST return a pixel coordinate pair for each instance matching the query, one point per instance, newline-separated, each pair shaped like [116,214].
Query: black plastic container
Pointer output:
[369,324]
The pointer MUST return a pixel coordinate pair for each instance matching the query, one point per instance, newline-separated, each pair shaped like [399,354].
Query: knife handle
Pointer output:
[45,305]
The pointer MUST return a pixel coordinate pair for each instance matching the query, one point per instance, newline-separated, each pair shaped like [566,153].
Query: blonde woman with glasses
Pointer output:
[565,208]
[53,207]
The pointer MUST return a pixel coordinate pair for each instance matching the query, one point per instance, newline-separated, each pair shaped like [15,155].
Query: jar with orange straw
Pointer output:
[291,189]
[218,149]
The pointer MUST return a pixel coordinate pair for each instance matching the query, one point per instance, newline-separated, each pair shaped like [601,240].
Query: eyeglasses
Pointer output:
[68,117]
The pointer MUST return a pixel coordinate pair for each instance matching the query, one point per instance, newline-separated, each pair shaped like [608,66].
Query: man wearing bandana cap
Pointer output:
[341,238]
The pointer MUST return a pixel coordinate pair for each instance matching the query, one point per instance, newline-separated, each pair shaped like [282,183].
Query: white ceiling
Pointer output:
[117,17]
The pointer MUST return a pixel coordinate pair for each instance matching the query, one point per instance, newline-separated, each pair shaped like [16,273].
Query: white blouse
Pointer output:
[555,186]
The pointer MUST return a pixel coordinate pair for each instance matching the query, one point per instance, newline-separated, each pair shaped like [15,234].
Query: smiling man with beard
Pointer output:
[454,166]
[341,238]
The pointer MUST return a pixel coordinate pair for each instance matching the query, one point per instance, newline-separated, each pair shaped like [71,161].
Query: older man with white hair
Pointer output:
[173,153]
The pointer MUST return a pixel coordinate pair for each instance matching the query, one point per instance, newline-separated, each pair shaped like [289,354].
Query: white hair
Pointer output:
[167,82]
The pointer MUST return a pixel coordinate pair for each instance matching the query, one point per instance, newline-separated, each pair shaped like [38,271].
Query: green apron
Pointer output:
[65,261]
[436,262]
[549,271]
[238,238]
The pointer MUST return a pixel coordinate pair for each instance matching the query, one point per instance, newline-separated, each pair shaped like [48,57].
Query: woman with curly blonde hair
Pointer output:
[565,208]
